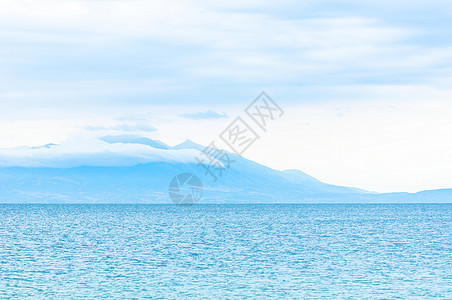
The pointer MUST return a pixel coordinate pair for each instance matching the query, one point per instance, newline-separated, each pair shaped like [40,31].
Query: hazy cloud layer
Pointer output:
[140,52]
[91,152]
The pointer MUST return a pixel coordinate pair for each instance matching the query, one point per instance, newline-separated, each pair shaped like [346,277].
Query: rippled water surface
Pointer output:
[226,251]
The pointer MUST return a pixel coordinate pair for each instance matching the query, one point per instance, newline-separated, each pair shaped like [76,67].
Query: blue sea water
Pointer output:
[356,251]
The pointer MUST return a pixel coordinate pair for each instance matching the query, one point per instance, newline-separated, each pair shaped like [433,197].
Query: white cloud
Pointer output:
[91,152]
[206,115]
[236,45]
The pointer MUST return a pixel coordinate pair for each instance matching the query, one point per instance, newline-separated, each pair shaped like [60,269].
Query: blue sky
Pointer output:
[81,68]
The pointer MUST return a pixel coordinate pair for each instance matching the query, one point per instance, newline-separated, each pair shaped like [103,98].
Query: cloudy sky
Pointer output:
[366,86]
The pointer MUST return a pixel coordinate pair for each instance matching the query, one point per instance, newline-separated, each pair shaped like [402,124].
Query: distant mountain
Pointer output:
[188,144]
[114,181]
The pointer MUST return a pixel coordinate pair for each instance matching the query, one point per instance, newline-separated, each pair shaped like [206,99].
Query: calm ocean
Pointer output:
[226,251]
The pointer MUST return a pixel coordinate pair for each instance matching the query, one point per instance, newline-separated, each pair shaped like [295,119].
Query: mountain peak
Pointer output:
[188,144]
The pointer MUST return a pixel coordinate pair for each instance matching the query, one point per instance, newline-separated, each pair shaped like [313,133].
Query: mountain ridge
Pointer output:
[244,181]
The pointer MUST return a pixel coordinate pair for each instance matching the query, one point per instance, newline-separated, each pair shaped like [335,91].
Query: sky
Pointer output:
[366,86]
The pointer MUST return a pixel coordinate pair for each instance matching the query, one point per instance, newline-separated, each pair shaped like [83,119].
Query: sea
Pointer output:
[306,251]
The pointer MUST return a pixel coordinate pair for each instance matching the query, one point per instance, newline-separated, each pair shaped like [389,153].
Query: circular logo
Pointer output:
[185,188]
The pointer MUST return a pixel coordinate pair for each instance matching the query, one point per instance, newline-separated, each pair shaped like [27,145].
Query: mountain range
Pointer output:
[135,169]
